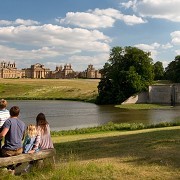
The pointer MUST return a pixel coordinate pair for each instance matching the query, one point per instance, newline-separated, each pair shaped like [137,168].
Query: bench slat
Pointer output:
[5,161]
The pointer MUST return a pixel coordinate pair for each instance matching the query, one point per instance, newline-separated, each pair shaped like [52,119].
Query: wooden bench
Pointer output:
[22,158]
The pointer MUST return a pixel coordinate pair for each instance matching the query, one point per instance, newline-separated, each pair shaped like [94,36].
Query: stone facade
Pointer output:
[62,73]
[9,70]
[164,94]
[91,73]
[158,94]
[38,71]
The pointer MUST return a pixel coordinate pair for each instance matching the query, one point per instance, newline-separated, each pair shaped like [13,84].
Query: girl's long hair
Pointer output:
[41,123]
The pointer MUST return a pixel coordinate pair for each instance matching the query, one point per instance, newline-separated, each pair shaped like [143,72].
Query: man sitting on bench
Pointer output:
[13,130]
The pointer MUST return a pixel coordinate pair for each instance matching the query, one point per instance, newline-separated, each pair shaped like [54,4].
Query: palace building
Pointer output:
[91,73]
[38,71]
[9,70]
[62,73]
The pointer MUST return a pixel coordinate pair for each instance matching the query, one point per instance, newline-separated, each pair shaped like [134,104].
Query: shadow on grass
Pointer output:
[157,147]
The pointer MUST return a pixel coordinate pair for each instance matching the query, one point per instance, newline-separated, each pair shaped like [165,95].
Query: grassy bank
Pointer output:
[59,89]
[114,127]
[68,89]
[143,154]
[143,106]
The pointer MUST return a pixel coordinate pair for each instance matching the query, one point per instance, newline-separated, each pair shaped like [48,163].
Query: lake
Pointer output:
[66,115]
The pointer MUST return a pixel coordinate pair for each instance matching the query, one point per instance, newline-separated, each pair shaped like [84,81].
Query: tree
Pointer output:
[158,71]
[172,72]
[129,70]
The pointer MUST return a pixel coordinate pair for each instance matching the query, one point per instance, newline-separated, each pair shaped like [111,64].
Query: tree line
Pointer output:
[130,70]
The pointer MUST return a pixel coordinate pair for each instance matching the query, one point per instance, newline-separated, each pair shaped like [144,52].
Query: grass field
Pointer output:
[143,154]
[69,89]
[133,155]
[113,155]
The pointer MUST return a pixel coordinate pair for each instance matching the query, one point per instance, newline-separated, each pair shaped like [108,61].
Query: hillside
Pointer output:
[69,89]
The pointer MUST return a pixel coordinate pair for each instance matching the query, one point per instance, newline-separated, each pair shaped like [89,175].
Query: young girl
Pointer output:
[30,139]
[43,140]
[29,142]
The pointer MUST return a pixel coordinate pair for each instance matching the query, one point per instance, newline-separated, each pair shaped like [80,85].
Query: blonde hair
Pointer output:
[3,103]
[31,130]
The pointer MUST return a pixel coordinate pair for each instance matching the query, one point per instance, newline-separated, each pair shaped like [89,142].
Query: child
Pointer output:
[4,114]
[29,142]
[30,138]
[43,140]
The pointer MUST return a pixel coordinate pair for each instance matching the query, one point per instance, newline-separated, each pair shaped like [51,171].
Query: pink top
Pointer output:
[43,140]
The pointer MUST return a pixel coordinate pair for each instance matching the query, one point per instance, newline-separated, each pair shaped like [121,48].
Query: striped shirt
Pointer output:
[4,115]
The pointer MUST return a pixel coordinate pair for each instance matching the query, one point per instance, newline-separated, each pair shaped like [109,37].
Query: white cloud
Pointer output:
[13,53]
[132,20]
[149,48]
[156,49]
[128,4]
[50,35]
[49,41]
[164,9]
[99,18]
[175,37]
[167,46]
[177,52]
[5,22]
[88,20]
[79,62]
[27,22]
[165,63]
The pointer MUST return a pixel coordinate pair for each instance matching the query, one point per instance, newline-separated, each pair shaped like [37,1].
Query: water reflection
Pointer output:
[71,114]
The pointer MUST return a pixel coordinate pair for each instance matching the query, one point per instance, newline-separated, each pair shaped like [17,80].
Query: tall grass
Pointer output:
[114,127]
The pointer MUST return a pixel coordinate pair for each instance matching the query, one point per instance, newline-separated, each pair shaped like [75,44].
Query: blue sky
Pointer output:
[83,32]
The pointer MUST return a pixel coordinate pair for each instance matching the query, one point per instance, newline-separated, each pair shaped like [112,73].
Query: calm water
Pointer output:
[65,115]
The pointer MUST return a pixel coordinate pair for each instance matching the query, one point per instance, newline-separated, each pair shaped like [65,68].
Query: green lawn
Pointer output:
[69,89]
[143,106]
[132,155]
[141,154]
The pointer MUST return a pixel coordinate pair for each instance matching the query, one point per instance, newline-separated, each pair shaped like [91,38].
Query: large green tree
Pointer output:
[129,70]
[158,71]
[172,71]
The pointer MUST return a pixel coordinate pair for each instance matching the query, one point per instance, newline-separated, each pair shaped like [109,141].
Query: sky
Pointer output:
[83,32]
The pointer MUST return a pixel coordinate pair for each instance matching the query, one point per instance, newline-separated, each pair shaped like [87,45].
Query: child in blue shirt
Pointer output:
[31,135]
[29,141]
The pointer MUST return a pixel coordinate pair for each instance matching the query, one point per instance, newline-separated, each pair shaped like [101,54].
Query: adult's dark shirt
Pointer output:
[14,136]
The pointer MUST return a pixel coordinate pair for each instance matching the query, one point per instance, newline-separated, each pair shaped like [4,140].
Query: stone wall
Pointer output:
[177,93]
[158,94]
[138,98]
